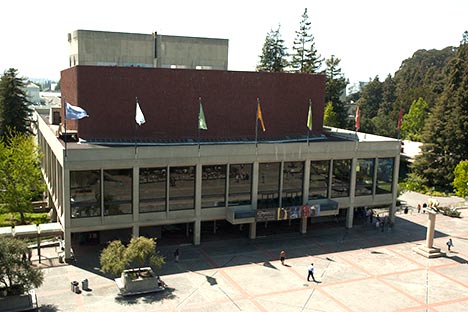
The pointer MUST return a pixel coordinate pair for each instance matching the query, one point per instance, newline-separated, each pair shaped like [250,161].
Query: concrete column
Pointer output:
[253,230]
[352,193]
[196,232]
[396,168]
[430,228]
[303,225]
[135,230]
[66,212]
[306,182]
[136,200]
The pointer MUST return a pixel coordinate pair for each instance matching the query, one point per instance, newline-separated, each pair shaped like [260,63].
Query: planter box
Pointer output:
[24,302]
[138,281]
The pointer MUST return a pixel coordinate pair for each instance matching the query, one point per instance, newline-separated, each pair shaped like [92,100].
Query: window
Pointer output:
[384,175]
[319,177]
[213,189]
[341,178]
[118,192]
[364,176]
[85,193]
[152,187]
[240,184]
[293,175]
[268,185]
[182,188]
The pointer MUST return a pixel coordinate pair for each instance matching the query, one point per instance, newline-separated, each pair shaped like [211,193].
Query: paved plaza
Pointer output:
[361,269]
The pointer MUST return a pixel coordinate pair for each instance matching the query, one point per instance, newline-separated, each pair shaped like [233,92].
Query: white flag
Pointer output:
[74,112]
[139,117]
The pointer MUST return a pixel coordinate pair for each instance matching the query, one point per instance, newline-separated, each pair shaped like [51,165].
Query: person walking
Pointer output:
[311,273]
[176,255]
[449,244]
[282,256]
[419,208]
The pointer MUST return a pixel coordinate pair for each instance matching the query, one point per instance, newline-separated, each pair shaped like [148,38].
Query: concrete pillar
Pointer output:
[196,232]
[303,225]
[396,168]
[352,193]
[66,211]
[67,244]
[135,230]
[253,230]
[430,228]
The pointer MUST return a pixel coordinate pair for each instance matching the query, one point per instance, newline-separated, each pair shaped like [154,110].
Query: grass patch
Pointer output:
[9,219]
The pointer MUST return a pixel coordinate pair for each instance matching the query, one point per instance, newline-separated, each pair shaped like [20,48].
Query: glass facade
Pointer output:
[182,188]
[319,177]
[384,175]
[341,179]
[213,188]
[118,192]
[268,185]
[85,193]
[365,176]
[293,181]
[240,184]
[152,187]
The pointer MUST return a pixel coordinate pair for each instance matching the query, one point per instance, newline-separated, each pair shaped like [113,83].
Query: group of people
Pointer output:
[380,222]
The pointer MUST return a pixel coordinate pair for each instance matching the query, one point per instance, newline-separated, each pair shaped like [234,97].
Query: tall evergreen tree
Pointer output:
[414,120]
[371,97]
[14,110]
[445,134]
[305,58]
[386,120]
[335,89]
[274,53]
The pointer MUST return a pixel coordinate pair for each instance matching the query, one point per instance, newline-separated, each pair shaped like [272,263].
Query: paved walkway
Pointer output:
[362,269]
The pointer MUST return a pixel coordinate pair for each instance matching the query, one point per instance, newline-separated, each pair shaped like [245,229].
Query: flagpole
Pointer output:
[136,127]
[308,129]
[65,123]
[256,124]
[198,123]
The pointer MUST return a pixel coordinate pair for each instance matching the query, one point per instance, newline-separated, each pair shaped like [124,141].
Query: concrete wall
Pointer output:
[194,53]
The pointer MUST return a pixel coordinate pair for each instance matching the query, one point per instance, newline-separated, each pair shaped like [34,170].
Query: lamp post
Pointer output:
[39,242]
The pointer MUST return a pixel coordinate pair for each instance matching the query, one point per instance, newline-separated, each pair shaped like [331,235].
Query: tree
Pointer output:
[305,58]
[414,120]
[460,182]
[14,110]
[335,89]
[17,275]
[115,258]
[445,134]
[274,53]
[371,97]
[329,116]
[20,173]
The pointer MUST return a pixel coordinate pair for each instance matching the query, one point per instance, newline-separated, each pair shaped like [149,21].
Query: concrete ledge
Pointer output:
[432,252]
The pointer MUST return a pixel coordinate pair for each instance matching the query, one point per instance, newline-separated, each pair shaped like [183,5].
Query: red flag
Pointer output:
[358,118]
[400,119]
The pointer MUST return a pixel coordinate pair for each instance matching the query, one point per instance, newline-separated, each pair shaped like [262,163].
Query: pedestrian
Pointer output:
[419,208]
[371,216]
[449,244]
[311,273]
[176,255]
[282,256]
[424,207]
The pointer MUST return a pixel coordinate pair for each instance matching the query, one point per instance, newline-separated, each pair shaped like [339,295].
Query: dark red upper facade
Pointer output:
[169,100]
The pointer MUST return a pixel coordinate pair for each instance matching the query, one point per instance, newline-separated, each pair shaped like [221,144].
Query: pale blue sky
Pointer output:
[371,37]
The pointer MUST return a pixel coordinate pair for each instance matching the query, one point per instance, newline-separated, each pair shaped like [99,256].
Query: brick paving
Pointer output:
[359,270]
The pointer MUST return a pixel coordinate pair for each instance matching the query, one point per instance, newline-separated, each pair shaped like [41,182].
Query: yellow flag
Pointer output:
[309,118]
[259,116]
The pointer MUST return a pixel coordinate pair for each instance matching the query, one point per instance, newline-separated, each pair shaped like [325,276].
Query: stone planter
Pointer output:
[18,302]
[138,281]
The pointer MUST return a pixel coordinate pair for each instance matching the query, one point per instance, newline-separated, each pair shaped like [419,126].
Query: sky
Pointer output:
[370,37]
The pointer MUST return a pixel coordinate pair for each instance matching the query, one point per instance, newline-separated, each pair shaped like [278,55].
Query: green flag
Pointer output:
[309,118]
[201,119]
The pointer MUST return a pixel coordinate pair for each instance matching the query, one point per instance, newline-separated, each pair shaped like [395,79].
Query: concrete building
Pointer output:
[33,93]
[103,48]
[121,179]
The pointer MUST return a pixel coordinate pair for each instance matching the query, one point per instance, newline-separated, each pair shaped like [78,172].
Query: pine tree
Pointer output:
[305,58]
[14,110]
[335,89]
[274,53]
[445,135]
